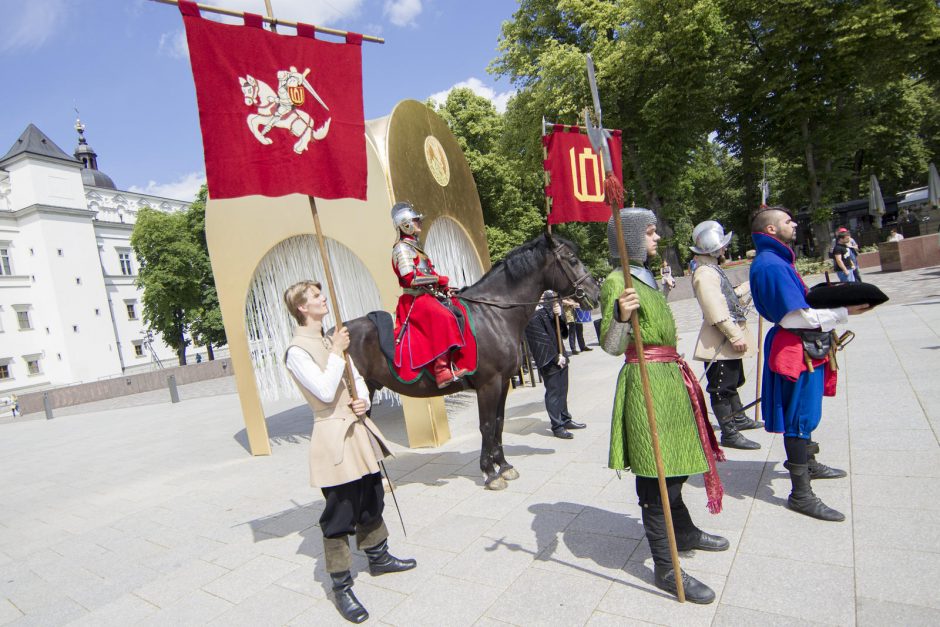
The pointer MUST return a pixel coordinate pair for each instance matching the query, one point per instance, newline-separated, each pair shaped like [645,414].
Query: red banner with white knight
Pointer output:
[279,114]
[576,175]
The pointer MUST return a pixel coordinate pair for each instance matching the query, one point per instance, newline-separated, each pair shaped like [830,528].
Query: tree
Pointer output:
[170,272]
[204,320]
[508,211]
[658,71]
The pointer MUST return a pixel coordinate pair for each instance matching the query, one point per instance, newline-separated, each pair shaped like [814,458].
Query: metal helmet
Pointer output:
[404,216]
[634,221]
[709,238]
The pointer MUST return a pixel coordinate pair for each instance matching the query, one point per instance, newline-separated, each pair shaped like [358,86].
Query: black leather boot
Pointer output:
[730,438]
[688,536]
[741,421]
[346,602]
[821,471]
[803,500]
[654,523]
[695,590]
[381,561]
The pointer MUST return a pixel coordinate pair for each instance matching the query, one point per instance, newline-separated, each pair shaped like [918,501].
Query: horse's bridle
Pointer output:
[576,283]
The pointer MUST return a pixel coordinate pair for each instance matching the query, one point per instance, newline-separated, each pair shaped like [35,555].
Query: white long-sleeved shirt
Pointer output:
[822,319]
[323,383]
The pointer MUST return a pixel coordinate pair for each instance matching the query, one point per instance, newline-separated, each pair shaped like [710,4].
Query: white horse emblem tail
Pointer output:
[281,109]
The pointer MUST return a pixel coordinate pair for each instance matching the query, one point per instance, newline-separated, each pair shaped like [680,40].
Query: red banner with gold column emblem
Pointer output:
[280,114]
[576,175]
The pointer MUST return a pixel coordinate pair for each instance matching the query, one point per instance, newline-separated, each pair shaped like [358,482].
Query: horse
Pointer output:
[500,304]
[297,121]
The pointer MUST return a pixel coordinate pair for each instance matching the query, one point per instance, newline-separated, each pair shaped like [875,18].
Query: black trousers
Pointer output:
[556,394]
[576,329]
[348,505]
[724,378]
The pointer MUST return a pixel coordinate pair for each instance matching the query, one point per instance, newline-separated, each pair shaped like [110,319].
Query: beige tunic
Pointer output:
[343,447]
[719,330]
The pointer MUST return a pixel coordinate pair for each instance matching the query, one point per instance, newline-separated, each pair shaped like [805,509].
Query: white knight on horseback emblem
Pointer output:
[282,109]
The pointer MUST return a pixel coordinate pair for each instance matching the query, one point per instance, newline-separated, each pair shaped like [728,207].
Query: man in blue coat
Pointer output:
[793,392]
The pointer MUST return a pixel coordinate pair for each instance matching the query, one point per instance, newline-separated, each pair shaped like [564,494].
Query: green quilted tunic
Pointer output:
[630,444]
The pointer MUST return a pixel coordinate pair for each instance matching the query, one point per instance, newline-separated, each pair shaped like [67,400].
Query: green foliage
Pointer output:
[818,94]
[807,266]
[176,276]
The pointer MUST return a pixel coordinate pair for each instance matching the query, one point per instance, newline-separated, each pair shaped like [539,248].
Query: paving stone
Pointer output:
[732,616]
[907,577]
[452,532]
[541,597]
[8,612]
[465,603]
[896,528]
[56,611]
[126,610]
[804,590]
[272,606]
[875,613]
[244,581]
[169,588]
[196,608]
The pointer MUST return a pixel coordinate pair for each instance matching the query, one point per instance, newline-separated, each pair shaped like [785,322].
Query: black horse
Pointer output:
[500,304]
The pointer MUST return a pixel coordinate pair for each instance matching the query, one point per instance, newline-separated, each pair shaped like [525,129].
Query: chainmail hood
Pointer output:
[634,221]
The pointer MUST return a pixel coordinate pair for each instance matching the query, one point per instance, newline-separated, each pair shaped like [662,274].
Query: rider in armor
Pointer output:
[427,332]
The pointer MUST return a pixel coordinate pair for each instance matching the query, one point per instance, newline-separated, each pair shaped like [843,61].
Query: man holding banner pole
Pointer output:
[688,443]
[261,140]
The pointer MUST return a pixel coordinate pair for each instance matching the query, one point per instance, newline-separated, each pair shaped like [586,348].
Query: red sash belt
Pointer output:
[666,354]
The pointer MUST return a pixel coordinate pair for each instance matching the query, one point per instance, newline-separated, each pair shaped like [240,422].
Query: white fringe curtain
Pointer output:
[271,327]
[452,253]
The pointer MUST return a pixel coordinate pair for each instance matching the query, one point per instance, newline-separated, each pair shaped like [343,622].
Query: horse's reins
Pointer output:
[576,284]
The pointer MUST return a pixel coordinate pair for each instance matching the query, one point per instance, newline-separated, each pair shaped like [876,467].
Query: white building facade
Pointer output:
[70,311]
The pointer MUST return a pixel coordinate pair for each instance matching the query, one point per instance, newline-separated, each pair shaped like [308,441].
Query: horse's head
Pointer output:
[567,273]
[249,85]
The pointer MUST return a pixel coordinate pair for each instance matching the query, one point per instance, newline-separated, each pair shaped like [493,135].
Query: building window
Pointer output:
[23,319]
[5,268]
[97,312]
[78,280]
[1,318]
[32,365]
[127,268]
[132,310]
[61,252]
[5,371]
[138,349]
[75,328]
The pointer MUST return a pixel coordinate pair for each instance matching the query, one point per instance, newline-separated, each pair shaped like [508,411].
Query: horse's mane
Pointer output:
[525,259]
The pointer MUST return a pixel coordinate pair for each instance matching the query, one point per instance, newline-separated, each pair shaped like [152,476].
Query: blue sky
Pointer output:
[123,64]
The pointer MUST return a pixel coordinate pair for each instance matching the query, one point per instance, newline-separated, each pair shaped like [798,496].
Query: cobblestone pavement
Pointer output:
[155,514]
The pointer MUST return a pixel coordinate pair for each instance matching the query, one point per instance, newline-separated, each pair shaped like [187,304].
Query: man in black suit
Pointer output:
[542,337]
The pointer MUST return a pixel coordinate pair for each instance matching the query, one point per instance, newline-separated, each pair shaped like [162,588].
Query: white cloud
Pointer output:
[402,12]
[475,85]
[184,188]
[330,13]
[173,44]
[28,25]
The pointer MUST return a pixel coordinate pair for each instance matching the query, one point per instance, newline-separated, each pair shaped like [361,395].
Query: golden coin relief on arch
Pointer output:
[437,160]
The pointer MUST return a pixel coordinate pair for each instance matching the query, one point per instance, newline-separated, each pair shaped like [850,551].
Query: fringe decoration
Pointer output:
[452,253]
[613,190]
[270,327]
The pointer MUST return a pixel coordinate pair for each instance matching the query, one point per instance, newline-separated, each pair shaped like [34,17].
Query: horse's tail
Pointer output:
[321,132]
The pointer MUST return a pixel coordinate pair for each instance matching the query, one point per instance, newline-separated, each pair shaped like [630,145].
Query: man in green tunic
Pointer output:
[686,441]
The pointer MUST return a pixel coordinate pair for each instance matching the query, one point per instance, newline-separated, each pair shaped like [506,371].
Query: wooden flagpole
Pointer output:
[324,255]
[269,18]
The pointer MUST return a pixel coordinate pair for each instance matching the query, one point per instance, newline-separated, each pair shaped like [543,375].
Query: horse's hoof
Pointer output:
[497,484]
[510,474]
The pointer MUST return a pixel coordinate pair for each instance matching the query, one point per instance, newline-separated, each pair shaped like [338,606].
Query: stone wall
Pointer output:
[122,386]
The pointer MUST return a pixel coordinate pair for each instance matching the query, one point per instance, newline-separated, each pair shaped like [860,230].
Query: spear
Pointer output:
[614,195]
